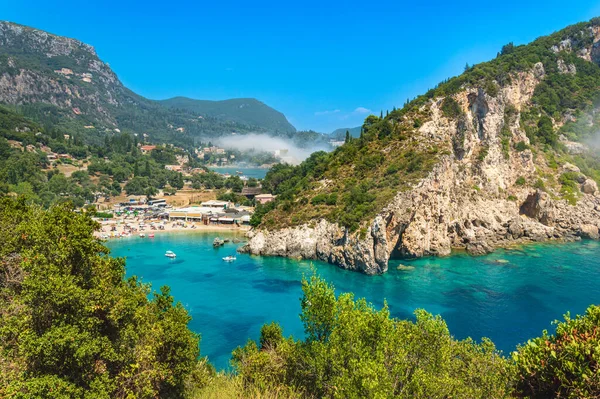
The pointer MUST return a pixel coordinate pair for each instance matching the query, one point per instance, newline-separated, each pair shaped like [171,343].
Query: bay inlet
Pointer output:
[508,296]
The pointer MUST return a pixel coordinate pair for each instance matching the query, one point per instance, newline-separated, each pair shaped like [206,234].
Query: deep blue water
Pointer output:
[477,296]
[257,173]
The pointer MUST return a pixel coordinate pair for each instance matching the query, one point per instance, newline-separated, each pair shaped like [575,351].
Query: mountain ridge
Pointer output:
[250,111]
[61,81]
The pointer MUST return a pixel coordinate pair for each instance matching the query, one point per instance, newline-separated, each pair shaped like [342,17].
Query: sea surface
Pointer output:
[508,296]
[257,173]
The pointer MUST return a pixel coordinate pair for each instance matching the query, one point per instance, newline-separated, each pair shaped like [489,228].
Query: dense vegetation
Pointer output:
[105,103]
[352,183]
[245,111]
[72,326]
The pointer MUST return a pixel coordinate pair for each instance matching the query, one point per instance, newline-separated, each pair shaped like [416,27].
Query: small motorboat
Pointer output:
[142,235]
[151,235]
[230,258]
[170,254]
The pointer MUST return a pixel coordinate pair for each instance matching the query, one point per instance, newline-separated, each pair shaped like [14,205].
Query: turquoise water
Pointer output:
[257,173]
[508,296]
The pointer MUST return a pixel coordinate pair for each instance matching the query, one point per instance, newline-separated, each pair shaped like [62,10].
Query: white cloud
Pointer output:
[362,110]
[321,113]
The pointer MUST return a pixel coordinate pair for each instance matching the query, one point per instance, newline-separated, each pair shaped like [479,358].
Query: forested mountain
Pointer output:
[61,83]
[245,111]
[504,153]
[340,134]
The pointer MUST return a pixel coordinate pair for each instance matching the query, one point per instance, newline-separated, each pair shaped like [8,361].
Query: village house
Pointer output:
[264,198]
[175,168]
[251,192]
[146,149]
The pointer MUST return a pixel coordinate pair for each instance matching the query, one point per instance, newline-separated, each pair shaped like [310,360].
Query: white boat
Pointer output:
[170,254]
[142,235]
[229,258]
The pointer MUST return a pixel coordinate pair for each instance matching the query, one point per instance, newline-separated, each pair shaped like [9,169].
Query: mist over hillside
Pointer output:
[285,148]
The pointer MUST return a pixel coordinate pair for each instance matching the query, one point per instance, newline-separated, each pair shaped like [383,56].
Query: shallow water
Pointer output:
[508,296]
[257,173]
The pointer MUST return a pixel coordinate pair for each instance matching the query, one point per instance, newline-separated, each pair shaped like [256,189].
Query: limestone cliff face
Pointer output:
[56,70]
[470,200]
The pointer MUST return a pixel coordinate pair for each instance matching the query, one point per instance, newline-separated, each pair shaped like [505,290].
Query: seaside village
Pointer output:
[143,218]
[188,209]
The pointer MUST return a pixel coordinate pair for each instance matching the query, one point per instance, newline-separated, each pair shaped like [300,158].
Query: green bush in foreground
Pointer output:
[355,351]
[71,326]
[564,365]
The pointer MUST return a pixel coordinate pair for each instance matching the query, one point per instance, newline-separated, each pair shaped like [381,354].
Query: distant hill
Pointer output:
[61,82]
[341,133]
[246,111]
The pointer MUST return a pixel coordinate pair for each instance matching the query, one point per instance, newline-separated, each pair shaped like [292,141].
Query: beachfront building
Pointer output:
[210,215]
[191,213]
[216,204]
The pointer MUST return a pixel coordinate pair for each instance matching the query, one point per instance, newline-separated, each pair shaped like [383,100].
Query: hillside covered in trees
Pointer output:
[72,326]
[61,82]
[516,135]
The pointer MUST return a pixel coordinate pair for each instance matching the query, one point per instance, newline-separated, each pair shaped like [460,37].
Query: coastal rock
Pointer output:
[589,231]
[589,186]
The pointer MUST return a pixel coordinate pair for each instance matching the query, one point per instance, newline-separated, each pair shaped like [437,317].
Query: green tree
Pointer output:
[70,323]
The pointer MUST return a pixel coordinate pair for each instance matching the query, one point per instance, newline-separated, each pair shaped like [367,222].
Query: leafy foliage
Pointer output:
[70,323]
[565,364]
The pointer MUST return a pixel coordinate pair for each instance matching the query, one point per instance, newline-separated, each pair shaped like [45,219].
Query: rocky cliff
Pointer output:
[495,182]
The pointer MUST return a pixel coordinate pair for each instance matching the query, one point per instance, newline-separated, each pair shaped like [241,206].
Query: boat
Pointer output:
[151,235]
[142,235]
[230,258]
[170,254]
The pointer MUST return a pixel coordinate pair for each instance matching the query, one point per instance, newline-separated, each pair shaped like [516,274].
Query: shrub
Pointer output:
[564,364]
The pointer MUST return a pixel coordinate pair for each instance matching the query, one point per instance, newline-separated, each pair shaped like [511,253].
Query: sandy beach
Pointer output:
[128,227]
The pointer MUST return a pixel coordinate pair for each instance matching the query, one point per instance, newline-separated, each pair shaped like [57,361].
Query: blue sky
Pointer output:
[324,64]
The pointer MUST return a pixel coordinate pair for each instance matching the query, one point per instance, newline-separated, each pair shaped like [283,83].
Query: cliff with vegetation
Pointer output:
[61,82]
[502,154]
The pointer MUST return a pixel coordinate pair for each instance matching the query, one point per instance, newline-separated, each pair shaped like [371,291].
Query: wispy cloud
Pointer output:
[362,110]
[321,113]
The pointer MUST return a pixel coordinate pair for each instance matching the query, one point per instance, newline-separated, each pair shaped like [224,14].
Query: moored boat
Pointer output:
[230,258]
[170,254]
